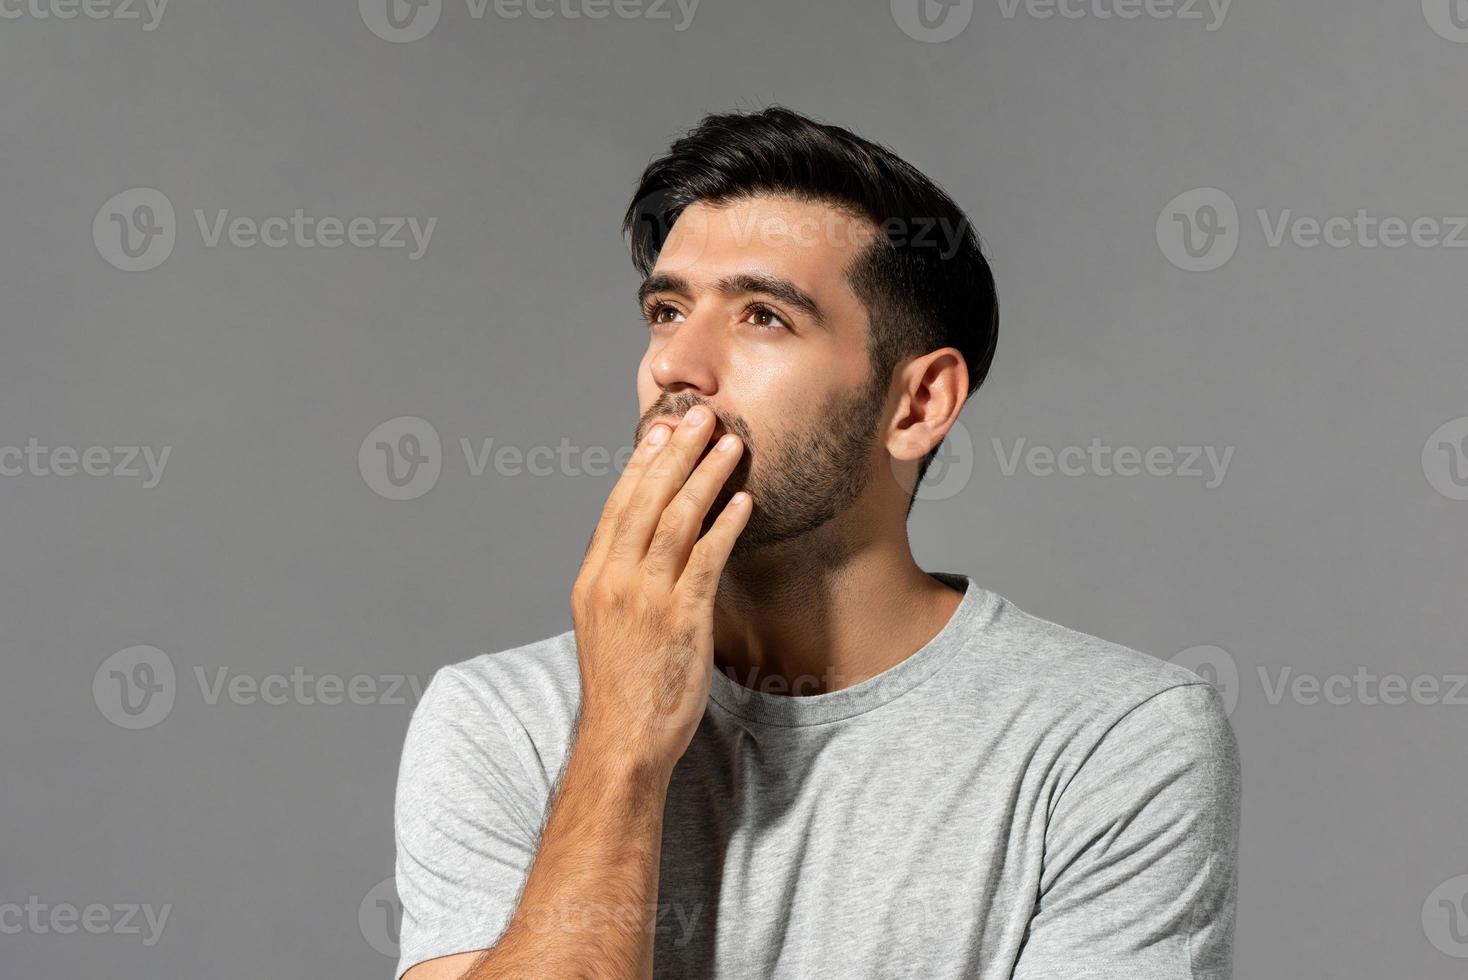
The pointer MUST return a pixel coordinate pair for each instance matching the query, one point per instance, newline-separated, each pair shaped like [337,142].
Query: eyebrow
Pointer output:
[744,282]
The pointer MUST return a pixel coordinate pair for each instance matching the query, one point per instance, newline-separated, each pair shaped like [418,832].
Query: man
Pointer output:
[891,773]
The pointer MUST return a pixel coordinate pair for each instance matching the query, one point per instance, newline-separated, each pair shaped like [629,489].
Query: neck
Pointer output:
[825,611]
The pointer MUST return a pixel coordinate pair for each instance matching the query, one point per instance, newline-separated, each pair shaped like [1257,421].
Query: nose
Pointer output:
[688,360]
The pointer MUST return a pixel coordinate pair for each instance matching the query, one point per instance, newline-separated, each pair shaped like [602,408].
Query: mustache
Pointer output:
[675,406]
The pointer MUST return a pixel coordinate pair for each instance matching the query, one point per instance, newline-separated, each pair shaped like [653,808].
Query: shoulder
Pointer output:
[522,700]
[1078,688]
[1114,725]
[517,677]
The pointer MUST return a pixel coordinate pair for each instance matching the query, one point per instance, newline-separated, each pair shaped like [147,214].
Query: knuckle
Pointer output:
[662,549]
[698,575]
[620,527]
[667,467]
[698,587]
[619,551]
[641,498]
[682,511]
[688,503]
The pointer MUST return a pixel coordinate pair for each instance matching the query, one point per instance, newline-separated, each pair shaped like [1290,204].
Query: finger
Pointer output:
[700,580]
[683,518]
[661,478]
[616,502]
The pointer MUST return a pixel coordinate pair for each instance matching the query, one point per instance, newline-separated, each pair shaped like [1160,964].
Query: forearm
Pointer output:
[587,909]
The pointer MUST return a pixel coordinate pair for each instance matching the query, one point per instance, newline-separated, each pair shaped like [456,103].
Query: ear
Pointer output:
[930,391]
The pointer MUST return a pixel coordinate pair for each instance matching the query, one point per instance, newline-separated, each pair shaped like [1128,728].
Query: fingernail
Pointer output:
[696,415]
[657,435]
[725,443]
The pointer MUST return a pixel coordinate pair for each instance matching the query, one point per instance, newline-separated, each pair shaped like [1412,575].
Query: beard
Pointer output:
[800,479]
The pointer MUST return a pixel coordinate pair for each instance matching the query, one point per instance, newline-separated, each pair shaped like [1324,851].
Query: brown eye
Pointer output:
[655,313]
[764,318]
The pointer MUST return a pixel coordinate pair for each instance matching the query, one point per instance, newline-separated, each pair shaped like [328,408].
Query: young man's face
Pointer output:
[751,314]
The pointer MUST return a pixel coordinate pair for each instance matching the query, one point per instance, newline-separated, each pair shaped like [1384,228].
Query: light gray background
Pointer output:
[264,549]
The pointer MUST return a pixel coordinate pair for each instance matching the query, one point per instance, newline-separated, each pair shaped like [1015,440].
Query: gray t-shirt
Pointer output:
[1013,800]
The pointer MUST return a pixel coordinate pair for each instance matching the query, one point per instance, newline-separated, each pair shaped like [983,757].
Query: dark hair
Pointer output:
[924,281]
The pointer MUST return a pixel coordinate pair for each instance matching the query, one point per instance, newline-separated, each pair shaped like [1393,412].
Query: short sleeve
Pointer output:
[467,823]
[1140,871]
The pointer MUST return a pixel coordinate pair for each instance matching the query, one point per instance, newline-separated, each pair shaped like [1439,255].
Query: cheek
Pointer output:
[765,378]
[779,394]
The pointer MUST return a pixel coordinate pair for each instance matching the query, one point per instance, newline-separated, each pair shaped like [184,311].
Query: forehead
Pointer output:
[810,243]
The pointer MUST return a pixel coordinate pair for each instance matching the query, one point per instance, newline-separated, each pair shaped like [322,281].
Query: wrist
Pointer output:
[604,751]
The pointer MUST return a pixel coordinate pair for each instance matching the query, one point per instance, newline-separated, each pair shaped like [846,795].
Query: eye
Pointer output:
[655,311]
[764,318]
